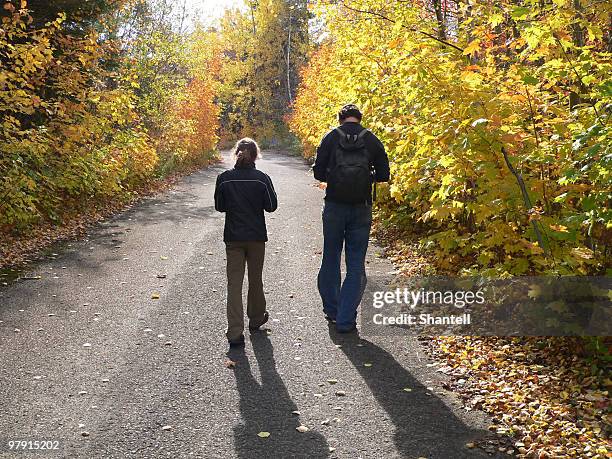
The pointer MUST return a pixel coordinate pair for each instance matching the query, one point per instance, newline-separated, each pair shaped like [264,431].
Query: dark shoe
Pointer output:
[266,317]
[331,320]
[238,342]
[351,329]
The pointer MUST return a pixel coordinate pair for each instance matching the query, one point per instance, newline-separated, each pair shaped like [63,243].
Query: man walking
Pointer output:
[349,159]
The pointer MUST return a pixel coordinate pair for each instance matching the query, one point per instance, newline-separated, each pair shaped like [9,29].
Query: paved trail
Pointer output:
[153,363]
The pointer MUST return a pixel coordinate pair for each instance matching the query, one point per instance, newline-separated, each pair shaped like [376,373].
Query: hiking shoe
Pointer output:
[238,342]
[351,329]
[266,317]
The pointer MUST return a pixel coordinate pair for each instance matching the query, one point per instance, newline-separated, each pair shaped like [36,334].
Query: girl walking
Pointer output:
[243,193]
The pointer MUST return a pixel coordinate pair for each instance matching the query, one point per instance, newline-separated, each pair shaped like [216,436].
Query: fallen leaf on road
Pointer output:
[407,389]
[155,296]
[340,393]
[367,364]
[167,428]
[297,413]
[302,428]
[332,381]
[263,434]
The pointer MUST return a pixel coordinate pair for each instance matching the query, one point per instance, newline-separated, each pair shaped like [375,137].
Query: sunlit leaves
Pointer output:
[86,117]
[444,117]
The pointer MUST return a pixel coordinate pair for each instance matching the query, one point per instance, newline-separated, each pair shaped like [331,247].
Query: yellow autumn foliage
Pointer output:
[495,117]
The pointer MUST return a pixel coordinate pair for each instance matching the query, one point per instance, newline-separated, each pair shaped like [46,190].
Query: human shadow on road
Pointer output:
[267,407]
[424,425]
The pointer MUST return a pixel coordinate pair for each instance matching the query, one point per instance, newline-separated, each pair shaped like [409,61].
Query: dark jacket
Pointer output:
[326,160]
[244,193]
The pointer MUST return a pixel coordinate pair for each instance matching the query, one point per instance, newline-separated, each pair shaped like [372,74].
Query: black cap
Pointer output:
[349,110]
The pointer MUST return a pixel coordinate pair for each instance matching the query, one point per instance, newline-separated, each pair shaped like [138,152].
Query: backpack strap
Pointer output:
[363,133]
[361,136]
[339,155]
[341,132]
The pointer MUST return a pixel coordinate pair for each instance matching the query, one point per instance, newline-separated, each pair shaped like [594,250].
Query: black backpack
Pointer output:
[350,180]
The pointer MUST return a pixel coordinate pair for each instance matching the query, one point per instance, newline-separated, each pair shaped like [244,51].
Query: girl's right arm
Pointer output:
[219,198]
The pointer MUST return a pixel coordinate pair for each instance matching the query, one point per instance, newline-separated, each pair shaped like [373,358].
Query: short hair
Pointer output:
[349,110]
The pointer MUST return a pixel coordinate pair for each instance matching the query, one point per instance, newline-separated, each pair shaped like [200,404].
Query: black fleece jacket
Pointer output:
[243,193]
[326,160]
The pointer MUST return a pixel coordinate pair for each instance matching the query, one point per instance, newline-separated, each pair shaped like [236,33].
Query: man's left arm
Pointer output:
[380,161]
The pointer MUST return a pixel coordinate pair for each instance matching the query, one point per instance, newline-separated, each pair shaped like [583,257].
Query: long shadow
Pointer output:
[267,407]
[424,425]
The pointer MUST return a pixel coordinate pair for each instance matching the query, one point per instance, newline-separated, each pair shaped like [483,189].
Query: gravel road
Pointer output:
[118,349]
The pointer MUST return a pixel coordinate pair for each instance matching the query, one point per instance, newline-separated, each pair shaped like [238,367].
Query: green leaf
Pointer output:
[520,12]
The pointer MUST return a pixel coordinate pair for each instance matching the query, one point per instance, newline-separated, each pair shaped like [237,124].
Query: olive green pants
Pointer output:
[240,254]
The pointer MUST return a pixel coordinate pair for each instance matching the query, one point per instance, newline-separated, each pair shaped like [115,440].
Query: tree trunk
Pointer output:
[578,38]
[290,97]
[437,4]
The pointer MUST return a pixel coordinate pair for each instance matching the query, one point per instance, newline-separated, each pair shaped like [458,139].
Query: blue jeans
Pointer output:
[349,225]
